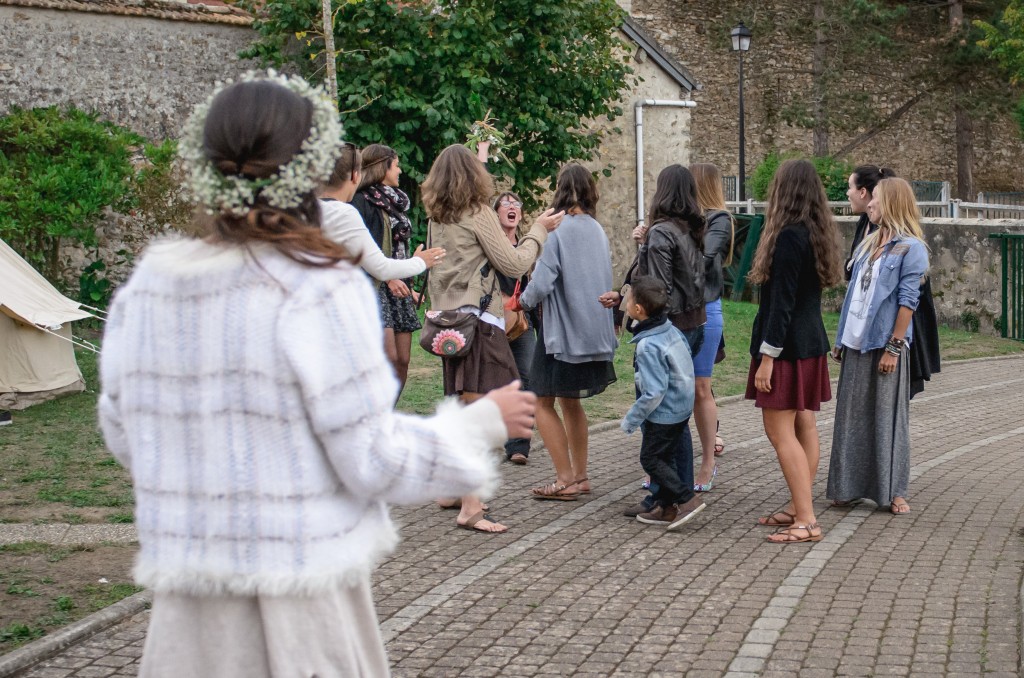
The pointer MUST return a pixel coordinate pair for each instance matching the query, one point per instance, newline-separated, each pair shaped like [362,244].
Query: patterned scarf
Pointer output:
[395,202]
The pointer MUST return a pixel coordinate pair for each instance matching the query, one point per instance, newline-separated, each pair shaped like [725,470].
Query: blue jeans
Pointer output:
[684,464]
[659,455]
[522,350]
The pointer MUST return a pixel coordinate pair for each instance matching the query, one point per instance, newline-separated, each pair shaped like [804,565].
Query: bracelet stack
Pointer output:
[894,346]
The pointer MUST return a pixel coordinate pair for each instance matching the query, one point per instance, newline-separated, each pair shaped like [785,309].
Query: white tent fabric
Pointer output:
[35,365]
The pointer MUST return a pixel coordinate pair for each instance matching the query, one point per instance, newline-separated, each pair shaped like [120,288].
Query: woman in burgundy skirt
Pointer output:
[797,257]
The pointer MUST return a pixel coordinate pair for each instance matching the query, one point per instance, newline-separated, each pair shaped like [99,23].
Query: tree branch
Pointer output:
[870,134]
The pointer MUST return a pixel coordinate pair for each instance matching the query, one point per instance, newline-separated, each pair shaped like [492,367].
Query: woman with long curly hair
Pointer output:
[871,444]
[797,257]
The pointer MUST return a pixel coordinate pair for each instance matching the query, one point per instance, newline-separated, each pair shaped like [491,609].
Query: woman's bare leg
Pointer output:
[472,504]
[781,428]
[705,416]
[403,353]
[578,437]
[553,433]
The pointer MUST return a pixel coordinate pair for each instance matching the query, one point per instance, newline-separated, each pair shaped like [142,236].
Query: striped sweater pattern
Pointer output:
[250,397]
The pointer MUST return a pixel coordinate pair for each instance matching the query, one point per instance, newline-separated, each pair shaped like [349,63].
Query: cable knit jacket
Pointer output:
[251,399]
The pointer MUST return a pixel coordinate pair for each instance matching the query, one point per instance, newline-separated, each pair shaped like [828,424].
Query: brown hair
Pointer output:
[576,188]
[377,160]
[348,163]
[252,129]
[675,200]
[868,176]
[711,196]
[797,196]
[456,185]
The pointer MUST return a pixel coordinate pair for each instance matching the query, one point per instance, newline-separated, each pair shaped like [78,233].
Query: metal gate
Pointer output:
[1011,247]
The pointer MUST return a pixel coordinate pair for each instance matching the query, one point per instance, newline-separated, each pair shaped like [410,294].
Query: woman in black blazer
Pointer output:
[797,257]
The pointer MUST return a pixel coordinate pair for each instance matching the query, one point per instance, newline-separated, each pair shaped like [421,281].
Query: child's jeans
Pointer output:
[666,454]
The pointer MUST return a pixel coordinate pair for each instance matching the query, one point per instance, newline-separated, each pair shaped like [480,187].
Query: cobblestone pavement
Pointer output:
[576,589]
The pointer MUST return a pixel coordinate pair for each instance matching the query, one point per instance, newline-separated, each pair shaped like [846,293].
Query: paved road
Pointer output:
[576,589]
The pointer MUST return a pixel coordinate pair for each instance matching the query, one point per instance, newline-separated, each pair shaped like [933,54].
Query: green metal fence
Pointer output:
[1012,250]
[748,234]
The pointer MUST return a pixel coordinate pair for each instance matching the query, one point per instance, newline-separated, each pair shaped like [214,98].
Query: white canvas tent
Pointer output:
[37,356]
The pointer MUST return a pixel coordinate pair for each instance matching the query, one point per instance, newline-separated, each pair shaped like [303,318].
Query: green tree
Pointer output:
[1002,39]
[416,75]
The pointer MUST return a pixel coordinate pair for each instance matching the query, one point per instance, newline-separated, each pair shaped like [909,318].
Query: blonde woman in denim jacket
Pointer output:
[871,442]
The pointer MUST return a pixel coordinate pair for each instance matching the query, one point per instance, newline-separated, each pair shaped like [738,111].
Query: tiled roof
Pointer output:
[171,10]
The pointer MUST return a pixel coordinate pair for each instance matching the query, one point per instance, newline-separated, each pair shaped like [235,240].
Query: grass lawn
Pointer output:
[54,468]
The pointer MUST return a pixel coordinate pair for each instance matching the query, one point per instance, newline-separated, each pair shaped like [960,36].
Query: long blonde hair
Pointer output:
[899,213]
[711,196]
[797,196]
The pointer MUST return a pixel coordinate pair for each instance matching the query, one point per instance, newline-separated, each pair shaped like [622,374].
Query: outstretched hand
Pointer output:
[517,409]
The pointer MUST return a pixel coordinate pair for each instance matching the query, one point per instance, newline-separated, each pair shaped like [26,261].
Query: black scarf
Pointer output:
[395,203]
[648,324]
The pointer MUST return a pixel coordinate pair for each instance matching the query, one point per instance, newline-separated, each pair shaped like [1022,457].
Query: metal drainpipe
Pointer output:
[638,108]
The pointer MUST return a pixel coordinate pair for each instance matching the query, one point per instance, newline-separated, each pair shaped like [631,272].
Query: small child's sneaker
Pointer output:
[5,418]
[686,512]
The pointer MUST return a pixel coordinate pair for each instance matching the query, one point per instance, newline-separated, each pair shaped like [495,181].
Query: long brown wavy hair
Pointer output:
[458,184]
[675,200]
[576,188]
[251,130]
[796,195]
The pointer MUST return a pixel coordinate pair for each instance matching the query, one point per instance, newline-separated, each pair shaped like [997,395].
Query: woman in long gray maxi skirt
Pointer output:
[871,443]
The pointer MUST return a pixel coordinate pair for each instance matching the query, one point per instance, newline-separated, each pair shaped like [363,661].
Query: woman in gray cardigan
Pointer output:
[576,337]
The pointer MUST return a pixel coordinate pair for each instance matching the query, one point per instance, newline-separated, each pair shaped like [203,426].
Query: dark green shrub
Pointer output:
[834,174]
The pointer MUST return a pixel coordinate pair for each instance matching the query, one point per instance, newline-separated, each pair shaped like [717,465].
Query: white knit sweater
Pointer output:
[343,224]
[251,399]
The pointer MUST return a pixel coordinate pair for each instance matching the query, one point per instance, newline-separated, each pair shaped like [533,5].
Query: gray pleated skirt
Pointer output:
[334,635]
[871,442]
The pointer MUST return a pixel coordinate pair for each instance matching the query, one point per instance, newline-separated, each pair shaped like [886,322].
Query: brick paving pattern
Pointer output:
[575,589]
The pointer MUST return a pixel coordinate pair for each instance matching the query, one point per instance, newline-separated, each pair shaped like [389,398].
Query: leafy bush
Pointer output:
[834,174]
[61,170]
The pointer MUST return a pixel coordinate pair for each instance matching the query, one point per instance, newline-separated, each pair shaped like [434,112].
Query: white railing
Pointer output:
[949,209]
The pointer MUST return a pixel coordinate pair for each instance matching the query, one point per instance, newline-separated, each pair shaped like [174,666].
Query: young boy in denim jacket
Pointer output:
[663,372]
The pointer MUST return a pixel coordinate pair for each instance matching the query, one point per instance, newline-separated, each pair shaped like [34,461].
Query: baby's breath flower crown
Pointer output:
[302,174]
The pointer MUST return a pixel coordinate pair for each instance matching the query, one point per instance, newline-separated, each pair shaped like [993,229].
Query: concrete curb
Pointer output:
[47,646]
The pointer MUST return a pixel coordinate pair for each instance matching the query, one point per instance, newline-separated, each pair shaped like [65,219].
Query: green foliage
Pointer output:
[1002,40]
[834,173]
[60,170]
[415,76]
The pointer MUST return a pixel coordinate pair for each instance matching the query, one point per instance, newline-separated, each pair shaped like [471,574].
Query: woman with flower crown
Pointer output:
[245,387]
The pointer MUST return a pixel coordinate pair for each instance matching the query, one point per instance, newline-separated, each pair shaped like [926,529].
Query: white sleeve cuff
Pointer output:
[769,350]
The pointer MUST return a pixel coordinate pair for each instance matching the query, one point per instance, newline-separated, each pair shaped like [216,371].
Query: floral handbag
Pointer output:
[448,334]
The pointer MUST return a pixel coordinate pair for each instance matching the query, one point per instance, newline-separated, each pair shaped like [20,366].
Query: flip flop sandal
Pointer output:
[792,538]
[555,492]
[772,521]
[903,505]
[471,524]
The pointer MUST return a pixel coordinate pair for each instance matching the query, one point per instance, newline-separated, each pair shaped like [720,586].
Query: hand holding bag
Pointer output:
[516,322]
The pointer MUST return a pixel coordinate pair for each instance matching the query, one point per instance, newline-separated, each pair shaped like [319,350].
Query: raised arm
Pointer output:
[343,224]
[508,259]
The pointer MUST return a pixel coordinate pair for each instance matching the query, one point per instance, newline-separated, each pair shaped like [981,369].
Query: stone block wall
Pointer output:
[920,146]
[965,267]
[142,73]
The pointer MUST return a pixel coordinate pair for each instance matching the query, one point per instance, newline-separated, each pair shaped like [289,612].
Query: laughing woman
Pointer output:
[871,442]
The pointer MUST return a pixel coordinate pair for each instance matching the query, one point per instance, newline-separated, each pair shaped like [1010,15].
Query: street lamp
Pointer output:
[741,43]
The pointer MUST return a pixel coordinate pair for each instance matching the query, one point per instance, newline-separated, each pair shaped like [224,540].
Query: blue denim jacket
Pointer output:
[664,378]
[904,263]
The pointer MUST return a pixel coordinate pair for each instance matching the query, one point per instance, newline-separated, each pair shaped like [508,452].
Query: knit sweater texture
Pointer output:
[250,397]
[343,224]
[476,246]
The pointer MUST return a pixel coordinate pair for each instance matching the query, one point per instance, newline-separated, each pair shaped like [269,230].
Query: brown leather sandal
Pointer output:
[772,521]
[555,492]
[790,537]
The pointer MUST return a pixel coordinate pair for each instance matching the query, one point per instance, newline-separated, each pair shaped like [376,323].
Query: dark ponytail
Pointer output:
[868,176]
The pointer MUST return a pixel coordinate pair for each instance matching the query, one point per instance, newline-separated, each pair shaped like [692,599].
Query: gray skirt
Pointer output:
[334,635]
[871,442]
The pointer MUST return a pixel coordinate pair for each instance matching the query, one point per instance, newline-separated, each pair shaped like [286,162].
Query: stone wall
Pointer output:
[921,145]
[666,141]
[142,73]
[965,266]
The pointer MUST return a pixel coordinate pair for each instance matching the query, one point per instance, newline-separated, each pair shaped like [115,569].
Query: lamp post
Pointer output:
[741,43]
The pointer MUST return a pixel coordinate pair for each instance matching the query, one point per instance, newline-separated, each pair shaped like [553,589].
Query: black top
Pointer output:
[789,315]
[373,217]
[924,350]
[671,255]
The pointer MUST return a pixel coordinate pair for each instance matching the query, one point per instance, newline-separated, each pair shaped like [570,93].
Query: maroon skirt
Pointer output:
[488,365]
[796,384]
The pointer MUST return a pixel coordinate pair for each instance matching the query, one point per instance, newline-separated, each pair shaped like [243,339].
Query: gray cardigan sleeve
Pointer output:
[718,235]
